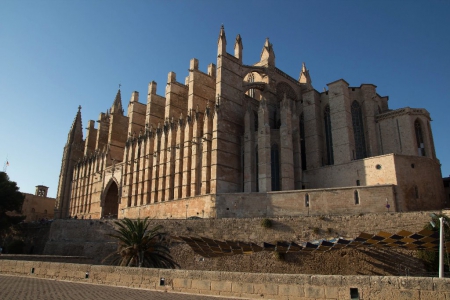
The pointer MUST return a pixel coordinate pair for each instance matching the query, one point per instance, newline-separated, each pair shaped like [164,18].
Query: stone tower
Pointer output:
[73,151]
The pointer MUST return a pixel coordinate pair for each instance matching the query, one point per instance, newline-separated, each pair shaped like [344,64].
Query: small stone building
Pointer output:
[243,140]
[38,206]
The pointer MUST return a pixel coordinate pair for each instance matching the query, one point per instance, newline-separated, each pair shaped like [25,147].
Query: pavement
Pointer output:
[26,288]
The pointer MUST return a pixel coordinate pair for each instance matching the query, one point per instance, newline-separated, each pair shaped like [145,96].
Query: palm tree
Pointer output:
[140,246]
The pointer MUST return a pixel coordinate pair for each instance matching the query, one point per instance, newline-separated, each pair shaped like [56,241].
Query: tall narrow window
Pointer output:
[419,138]
[358,131]
[356,196]
[257,168]
[255,116]
[416,192]
[328,136]
[251,78]
[275,166]
[302,141]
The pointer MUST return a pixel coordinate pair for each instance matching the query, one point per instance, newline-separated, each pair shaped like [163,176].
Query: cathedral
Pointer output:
[242,141]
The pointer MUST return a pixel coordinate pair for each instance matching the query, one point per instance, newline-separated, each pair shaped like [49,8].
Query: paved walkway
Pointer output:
[25,288]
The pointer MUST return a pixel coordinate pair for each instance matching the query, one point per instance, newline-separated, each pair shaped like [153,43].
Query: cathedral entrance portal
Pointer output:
[111,202]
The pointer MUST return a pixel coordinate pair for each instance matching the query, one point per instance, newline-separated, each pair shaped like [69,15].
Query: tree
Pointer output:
[431,258]
[10,200]
[140,246]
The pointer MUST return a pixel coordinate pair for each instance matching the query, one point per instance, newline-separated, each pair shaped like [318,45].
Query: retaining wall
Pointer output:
[246,285]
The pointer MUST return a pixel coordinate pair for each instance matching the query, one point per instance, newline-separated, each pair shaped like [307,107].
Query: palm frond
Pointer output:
[139,245]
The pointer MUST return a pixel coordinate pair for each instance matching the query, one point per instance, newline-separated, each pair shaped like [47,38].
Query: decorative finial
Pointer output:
[79,107]
[119,86]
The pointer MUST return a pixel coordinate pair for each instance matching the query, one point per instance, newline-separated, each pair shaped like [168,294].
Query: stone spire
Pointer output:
[222,42]
[238,47]
[117,104]
[267,53]
[75,135]
[304,76]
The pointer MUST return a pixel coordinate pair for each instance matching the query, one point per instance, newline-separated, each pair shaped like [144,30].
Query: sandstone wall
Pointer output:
[232,284]
[89,238]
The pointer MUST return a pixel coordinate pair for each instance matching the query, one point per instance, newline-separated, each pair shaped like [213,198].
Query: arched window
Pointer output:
[302,141]
[251,78]
[356,196]
[275,167]
[419,138]
[306,200]
[45,212]
[328,136]
[255,116]
[358,131]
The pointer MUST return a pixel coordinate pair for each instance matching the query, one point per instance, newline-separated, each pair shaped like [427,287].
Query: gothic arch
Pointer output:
[285,88]
[111,198]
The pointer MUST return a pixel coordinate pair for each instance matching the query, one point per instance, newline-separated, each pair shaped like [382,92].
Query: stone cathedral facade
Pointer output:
[249,141]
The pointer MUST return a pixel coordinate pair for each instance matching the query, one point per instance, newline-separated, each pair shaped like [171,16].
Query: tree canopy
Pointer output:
[10,200]
[140,246]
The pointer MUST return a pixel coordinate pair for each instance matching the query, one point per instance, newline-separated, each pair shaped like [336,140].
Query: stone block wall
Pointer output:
[234,284]
[89,238]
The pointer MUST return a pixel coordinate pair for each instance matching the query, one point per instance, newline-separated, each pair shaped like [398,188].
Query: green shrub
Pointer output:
[266,223]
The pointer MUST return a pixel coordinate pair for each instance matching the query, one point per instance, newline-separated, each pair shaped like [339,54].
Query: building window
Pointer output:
[33,210]
[257,168]
[302,141]
[328,136]
[251,78]
[255,116]
[307,200]
[358,183]
[45,212]
[358,131]
[419,138]
[416,192]
[356,196]
[275,166]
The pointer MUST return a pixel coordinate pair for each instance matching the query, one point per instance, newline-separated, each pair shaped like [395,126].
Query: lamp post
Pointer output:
[441,243]
[441,247]
[186,210]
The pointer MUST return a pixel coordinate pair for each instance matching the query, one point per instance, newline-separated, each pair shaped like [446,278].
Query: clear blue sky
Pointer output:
[58,54]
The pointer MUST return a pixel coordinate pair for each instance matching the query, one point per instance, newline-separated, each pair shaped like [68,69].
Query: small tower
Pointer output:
[41,191]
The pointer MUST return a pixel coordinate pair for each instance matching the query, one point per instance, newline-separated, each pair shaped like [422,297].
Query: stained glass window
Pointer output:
[302,141]
[358,131]
[328,136]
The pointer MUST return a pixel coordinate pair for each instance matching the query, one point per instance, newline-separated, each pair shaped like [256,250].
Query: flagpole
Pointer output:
[6,164]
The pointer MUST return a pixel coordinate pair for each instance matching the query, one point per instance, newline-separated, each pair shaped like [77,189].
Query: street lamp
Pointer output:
[441,243]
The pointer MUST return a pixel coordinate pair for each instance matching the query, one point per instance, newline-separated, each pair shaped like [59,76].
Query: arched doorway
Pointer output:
[111,202]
